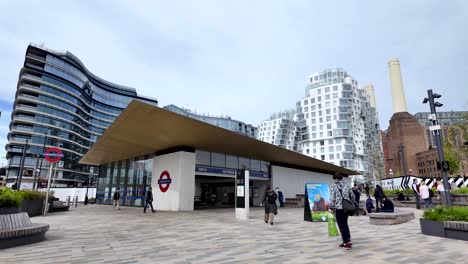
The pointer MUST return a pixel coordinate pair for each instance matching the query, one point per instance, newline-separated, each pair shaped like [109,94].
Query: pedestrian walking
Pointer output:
[339,192]
[269,200]
[357,198]
[149,200]
[426,195]
[116,199]
[417,195]
[441,191]
[281,198]
[367,189]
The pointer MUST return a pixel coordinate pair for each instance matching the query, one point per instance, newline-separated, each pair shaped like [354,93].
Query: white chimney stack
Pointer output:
[370,91]
[396,83]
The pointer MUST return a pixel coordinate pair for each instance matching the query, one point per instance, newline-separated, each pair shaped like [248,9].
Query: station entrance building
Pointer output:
[191,164]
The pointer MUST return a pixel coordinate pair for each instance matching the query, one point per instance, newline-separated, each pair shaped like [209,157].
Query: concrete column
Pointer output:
[398,94]
[173,181]
[242,191]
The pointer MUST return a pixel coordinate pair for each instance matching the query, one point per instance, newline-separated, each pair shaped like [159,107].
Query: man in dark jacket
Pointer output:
[271,209]
[281,198]
[149,200]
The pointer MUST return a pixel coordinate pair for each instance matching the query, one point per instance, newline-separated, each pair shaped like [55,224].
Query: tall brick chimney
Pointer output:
[396,83]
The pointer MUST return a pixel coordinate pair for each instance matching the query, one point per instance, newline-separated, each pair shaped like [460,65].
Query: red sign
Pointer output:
[164,181]
[53,155]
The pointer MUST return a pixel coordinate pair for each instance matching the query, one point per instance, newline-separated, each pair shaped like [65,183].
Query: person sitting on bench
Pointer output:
[400,197]
[369,204]
[387,206]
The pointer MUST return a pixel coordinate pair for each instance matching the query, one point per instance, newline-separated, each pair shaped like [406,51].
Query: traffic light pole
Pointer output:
[440,151]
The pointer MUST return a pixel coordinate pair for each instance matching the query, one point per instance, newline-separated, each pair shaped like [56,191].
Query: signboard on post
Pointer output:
[52,155]
[242,195]
[317,202]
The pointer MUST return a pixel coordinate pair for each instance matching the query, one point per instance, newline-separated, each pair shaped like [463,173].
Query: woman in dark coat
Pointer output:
[271,209]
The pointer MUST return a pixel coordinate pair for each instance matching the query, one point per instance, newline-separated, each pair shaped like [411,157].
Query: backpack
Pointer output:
[431,193]
[272,198]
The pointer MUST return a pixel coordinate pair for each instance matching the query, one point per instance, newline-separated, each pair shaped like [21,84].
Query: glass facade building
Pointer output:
[59,103]
[221,121]
[133,176]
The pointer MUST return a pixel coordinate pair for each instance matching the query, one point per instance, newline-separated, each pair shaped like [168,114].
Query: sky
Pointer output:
[246,59]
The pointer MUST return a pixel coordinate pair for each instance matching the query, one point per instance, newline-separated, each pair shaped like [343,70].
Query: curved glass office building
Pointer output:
[59,103]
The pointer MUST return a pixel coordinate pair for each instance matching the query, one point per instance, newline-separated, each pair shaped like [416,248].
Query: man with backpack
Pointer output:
[271,209]
[426,195]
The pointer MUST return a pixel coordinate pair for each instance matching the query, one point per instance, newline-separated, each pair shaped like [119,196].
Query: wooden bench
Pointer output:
[397,217]
[17,229]
[456,229]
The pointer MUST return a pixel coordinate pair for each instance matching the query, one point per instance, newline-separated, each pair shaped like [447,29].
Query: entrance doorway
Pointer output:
[214,192]
[219,192]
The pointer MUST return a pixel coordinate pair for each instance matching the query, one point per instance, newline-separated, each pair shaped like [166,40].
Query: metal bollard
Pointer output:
[67,201]
[75,201]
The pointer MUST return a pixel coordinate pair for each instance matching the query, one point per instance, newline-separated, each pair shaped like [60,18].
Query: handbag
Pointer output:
[348,206]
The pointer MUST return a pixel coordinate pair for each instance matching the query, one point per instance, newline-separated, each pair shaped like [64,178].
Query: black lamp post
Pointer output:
[437,136]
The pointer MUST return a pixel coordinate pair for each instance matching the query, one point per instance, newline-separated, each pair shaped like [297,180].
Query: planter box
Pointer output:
[447,229]
[432,228]
[32,207]
[9,210]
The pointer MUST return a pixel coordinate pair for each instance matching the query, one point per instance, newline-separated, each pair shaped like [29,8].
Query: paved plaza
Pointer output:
[99,234]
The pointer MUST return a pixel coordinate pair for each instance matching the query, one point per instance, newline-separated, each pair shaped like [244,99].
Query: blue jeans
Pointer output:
[428,203]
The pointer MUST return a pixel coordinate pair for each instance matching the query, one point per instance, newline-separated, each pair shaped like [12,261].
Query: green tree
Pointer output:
[452,158]
[456,145]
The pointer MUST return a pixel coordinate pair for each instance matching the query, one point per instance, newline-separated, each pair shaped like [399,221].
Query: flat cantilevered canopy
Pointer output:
[143,129]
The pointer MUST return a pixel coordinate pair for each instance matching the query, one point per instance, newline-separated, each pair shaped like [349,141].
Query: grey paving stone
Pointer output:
[98,234]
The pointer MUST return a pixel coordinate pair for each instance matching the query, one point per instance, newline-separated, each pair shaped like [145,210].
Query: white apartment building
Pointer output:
[280,129]
[334,123]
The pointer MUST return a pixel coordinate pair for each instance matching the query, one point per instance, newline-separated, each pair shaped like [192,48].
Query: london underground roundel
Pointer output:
[164,181]
[53,155]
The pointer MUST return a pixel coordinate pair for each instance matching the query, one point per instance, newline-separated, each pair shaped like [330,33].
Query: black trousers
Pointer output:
[146,205]
[342,221]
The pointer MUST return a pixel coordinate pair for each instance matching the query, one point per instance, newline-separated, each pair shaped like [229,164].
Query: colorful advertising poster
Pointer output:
[317,202]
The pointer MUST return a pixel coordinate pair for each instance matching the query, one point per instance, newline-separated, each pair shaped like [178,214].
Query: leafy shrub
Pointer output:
[463,190]
[32,195]
[440,214]
[9,198]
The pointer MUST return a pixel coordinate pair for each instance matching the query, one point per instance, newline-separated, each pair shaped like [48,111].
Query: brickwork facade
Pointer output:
[404,130]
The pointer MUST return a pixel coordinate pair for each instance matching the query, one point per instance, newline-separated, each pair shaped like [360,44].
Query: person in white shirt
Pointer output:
[441,191]
[425,195]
